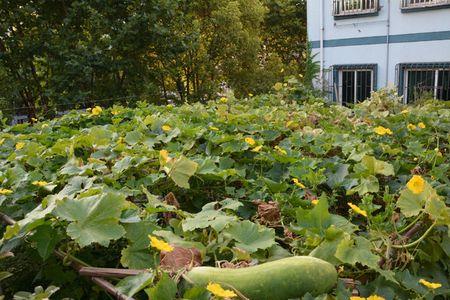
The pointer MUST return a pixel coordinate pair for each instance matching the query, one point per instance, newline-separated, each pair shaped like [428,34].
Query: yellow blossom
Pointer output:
[40,183]
[213,128]
[315,202]
[5,192]
[289,123]
[34,120]
[298,183]
[411,127]
[422,125]
[223,100]
[357,210]
[115,112]
[257,149]
[250,95]
[166,128]
[405,111]
[281,150]
[20,145]
[96,111]
[165,155]
[278,86]
[219,291]
[375,297]
[416,184]
[44,126]
[357,298]
[430,285]
[380,130]
[250,141]
[160,244]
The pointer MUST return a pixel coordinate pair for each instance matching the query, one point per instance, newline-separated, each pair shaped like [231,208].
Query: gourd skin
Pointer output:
[284,279]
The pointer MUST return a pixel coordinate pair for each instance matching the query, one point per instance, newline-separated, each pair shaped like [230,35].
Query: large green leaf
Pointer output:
[165,289]
[250,236]
[93,219]
[208,217]
[180,170]
[45,239]
[131,285]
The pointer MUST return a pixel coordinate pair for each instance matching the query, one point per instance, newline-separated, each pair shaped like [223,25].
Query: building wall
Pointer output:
[415,37]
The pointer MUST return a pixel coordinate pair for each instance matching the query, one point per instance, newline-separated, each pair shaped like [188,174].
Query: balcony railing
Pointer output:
[343,8]
[406,4]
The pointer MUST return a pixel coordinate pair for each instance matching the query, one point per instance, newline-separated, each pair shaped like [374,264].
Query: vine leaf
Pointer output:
[180,170]
[94,219]
[251,236]
[133,284]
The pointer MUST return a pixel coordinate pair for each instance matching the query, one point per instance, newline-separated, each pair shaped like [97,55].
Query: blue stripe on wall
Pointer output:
[373,40]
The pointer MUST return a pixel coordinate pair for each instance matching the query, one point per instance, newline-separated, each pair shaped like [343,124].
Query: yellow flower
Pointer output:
[357,210]
[115,112]
[257,149]
[223,100]
[416,184]
[422,125]
[5,192]
[298,183]
[44,126]
[160,244]
[281,150]
[430,285]
[357,298]
[40,183]
[375,297]
[165,155]
[250,95]
[405,111]
[250,141]
[213,128]
[380,130]
[411,127]
[315,202]
[34,120]
[278,86]
[96,111]
[289,123]
[219,291]
[166,128]
[20,145]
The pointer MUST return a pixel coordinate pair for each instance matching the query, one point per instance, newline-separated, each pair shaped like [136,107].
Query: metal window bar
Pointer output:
[426,81]
[423,3]
[354,7]
[352,83]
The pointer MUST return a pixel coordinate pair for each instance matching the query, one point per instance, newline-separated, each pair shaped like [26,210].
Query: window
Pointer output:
[424,80]
[347,8]
[353,83]
[412,4]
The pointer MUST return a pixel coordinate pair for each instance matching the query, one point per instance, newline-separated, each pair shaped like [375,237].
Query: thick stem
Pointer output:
[417,241]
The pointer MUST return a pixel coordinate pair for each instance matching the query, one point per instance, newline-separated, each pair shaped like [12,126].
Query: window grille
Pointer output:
[405,4]
[417,81]
[353,83]
[343,8]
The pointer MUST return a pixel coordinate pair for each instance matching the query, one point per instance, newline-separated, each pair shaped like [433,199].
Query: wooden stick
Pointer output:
[78,265]
[109,272]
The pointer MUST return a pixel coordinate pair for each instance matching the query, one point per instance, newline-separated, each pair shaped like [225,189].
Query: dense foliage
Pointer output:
[237,182]
[56,55]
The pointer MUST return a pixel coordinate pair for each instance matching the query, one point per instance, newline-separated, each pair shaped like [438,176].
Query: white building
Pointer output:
[364,45]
